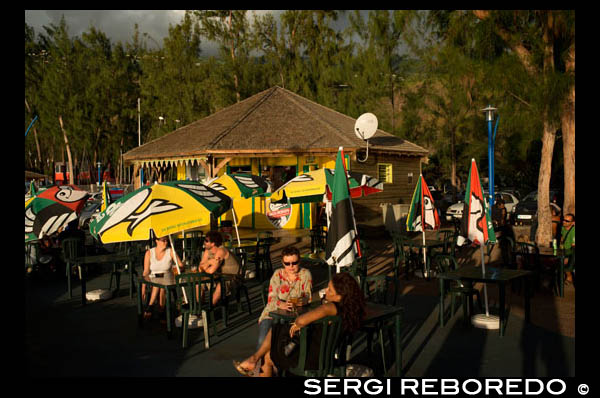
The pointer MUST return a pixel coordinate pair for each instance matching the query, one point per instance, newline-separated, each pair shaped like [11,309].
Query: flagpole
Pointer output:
[485,296]
[423,226]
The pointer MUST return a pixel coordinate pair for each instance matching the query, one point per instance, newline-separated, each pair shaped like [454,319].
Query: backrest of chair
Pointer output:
[72,248]
[32,253]
[243,259]
[331,333]
[375,288]
[530,254]
[264,291]
[445,262]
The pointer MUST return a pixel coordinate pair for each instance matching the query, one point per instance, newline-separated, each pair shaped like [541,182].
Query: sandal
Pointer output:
[148,311]
[244,372]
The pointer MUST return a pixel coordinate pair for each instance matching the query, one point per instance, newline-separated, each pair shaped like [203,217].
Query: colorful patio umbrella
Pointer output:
[478,228]
[342,246]
[51,209]
[311,186]
[240,186]
[105,197]
[422,214]
[164,208]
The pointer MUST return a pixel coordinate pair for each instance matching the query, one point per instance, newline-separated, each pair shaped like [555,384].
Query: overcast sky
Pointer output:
[118,24]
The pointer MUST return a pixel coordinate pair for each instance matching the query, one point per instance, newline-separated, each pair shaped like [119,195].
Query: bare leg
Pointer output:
[264,349]
[216,294]
[267,368]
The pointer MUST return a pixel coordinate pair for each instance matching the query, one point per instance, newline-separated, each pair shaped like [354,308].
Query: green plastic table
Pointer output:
[167,283]
[499,276]
[114,258]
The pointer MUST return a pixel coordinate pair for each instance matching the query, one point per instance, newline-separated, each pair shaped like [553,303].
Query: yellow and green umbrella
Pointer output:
[311,186]
[240,185]
[165,208]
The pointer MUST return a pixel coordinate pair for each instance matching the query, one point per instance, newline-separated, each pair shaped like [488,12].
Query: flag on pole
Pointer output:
[476,221]
[341,247]
[422,214]
[105,197]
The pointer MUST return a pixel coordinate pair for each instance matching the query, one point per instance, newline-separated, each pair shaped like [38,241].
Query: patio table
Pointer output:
[500,276]
[376,314]
[167,282]
[114,258]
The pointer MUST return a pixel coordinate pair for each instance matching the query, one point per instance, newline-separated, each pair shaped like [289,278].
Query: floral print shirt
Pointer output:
[280,288]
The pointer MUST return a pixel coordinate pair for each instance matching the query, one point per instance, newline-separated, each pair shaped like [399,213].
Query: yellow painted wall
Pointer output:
[181,171]
[243,207]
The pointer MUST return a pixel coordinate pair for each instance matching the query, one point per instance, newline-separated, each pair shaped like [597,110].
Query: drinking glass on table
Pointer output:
[294,301]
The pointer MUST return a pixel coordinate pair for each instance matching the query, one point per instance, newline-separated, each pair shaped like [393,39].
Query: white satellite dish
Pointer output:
[364,128]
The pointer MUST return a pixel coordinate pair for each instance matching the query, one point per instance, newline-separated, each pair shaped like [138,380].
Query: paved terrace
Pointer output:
[63,338]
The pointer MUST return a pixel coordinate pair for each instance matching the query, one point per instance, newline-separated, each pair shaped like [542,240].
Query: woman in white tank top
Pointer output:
[157,265]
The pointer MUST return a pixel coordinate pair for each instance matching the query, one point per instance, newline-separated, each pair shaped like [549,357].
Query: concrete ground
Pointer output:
[64,338]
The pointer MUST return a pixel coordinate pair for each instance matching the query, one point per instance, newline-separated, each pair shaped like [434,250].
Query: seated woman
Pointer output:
[289,281]
[158,262]
[343,297]
[217,258]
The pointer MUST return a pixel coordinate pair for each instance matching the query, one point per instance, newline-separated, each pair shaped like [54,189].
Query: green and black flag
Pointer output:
[341,248]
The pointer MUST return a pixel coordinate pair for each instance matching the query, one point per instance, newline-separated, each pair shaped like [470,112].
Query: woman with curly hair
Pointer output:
[343,298]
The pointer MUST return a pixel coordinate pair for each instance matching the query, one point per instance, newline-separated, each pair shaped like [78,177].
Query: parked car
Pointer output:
[89,211]
[526,211]
[94,196]
[510,202]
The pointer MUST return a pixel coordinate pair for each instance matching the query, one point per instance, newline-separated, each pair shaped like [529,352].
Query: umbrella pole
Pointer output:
[487,312]
[235,225]
[424,252]
[177,265]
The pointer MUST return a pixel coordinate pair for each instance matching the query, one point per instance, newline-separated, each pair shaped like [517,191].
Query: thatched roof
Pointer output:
[273,122]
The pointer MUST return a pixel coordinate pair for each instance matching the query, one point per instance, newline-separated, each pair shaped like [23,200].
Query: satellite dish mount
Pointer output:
[364,128]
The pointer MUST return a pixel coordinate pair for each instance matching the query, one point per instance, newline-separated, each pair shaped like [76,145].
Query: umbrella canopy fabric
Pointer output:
[52,209]
[311,186]
[476,222]
[422,214]
[105,197]
[341,249]
[240,185]
[165,208]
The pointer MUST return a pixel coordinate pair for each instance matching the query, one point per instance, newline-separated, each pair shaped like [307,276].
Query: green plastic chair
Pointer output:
[198,305]
[261,258]
[193,242]
[71,249]
[331,343]
[464,290]
[264,291]
[239,285]
[376,290]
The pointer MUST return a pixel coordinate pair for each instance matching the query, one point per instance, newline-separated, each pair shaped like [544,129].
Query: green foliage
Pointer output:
[426,75]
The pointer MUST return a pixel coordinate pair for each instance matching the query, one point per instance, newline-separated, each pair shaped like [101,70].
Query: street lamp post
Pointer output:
[489,117]
[99,171]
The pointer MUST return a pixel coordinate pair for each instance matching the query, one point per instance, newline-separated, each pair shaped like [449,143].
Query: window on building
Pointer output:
[240,169]
[410,178]
[385,172]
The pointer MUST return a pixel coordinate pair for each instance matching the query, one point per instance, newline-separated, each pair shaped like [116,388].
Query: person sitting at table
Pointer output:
[218,258]
[289,281]
[343,297]
[158,263]
[567,241]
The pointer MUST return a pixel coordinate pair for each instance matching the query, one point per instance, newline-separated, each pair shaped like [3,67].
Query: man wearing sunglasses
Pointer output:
[288,282]
[567,240]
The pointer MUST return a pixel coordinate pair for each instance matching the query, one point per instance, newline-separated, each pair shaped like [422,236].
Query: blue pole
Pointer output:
[99,175]
[490,159]
[30,124]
